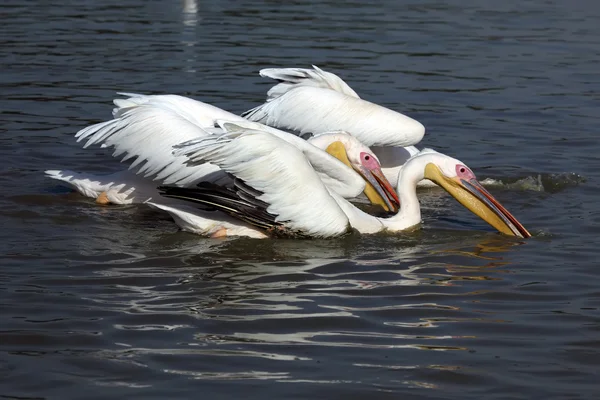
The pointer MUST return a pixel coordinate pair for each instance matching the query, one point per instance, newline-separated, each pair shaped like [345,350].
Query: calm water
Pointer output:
[114,302]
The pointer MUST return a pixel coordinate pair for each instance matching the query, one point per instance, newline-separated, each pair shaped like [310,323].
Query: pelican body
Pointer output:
[288,198]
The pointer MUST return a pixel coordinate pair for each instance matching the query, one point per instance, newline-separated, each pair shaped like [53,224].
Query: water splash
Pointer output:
[551,183]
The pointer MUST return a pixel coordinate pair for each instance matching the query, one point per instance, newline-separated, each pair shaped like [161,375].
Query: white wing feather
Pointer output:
[294,77]
[315,109]
[146,126]
[289,184]
[391,158]
[123,187]
[86,184]
[197,112]
[335,174]
[207,223]
[147,132]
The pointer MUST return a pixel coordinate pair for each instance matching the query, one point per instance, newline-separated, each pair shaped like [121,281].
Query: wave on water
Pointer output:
[551,183]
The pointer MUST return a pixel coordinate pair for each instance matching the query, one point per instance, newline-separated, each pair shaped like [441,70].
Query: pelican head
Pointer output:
[360,158]
[460,182]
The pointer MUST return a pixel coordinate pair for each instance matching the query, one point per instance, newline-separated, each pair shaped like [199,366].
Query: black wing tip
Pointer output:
[239,202]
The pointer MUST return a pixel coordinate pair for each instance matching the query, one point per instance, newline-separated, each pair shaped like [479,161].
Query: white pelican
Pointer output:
[145,128]
[276,191]
[313,101]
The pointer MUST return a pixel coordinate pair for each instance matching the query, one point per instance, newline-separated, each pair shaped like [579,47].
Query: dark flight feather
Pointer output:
[239,201]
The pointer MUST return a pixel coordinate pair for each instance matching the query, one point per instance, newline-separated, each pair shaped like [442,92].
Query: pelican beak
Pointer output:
[378,189]
[479,201]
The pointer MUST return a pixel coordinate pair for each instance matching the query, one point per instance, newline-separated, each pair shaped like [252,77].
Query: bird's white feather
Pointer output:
[391,158]
[123,187]
[290,78]
[335,174]
[146,133]
[315,109]
[145,126]
[86,184]
[197,112]
[281,172]
[207,223]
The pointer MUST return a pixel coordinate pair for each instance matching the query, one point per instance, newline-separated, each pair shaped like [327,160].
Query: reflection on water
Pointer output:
[259,306]
[241,288]
[189,35]
[190,12]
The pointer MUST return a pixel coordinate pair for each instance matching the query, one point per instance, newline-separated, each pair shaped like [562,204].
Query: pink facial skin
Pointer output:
[463,172]
[368,161]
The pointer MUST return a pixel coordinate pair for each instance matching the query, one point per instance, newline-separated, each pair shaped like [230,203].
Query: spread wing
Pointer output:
[307,104]
[145,128]
[277,180]
[332,172]
[144,132]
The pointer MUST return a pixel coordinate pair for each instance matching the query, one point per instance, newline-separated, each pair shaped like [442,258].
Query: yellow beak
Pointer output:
[479,201]
[378,189]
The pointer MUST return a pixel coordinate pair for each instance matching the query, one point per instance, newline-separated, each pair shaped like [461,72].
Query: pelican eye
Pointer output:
[463,172]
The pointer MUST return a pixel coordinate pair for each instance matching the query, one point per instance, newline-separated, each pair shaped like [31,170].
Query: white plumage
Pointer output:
[145,133]
[317,101]
[301,187]
[313,101]
[123,187]
[280,171]
[145,129]
[207,223]
[295,198]
[294,77]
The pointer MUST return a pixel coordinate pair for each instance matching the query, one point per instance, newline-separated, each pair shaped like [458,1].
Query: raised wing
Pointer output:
[146,127]
[287,182]
[197,112]
[146,133]
[332,172]
[290,78]
[316,109]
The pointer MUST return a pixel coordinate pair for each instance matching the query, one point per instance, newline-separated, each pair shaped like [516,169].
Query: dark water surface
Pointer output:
[114,302]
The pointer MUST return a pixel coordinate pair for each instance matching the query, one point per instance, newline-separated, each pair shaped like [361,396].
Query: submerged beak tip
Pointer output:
[506,218]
